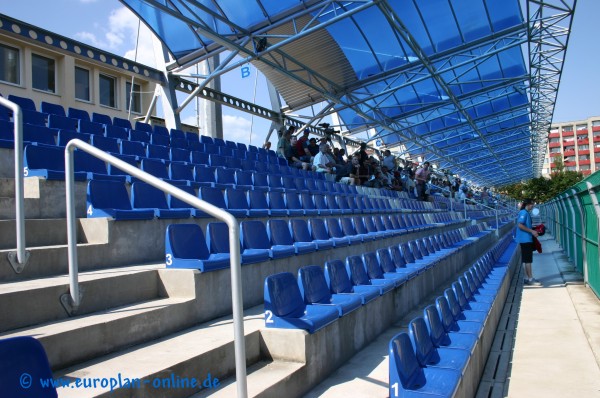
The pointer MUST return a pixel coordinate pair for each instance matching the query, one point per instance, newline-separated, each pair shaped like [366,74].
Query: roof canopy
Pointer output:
[466,84]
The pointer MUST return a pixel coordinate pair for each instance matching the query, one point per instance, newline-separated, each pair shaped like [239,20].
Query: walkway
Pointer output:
[547,343]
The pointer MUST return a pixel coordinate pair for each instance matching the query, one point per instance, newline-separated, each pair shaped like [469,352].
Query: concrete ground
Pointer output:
[557,344]
[549,345]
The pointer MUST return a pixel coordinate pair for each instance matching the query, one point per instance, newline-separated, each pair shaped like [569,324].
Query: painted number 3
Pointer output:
[268,317]
[169,259]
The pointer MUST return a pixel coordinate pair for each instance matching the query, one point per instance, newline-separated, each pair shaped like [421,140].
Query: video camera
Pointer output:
[327,130]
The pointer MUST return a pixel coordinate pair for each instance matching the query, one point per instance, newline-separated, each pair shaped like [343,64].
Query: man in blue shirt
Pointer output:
[524,236]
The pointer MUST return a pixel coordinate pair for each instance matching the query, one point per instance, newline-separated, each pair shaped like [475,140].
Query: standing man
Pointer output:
[421,177]
[524,236]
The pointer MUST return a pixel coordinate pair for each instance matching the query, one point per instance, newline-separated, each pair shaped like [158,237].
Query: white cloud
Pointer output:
[120,35]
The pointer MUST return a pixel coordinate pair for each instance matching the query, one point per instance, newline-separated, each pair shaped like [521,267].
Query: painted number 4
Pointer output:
[90,210]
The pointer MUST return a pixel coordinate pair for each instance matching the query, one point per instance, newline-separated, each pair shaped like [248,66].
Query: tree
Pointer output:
[541,189]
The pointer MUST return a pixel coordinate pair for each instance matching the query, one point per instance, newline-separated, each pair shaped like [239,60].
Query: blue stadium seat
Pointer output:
[101,118]
[52,109]
[34,117]
[62,122]
[215,197]
[301,233]
[274,183]
[217,239]
[185,247]
[158,169]
[110,145]
[157,152]
[198,157]
[88,127]
[276,202]
[281,237]
[258,200]
[338,280]
[116,132]
[261,167]
[24,102]
[243,179]
[234,162]
[114,170]
[195,145]
[409,379]
[225,151]
[387,264]
[133,148]
[318,231]
[321,205]
[292,201]
[336,233]
[254,236]
[36,134]
[375,272]
[94,168]
[218,141]
[452,325]
[205,176]
[160,130]
[359,277]
[442,338]
[242,147]
[211,149]
[21,356]
[225,177]
[139,136]
[175,203]
[217,160]
[141,126]
[431,356]
[361,229]
[260,181]
[180,143]
[458,314]
[110,199]
[284,307]
[183,172]
[145,196]
[160,140]
[314,290]
[237,199]
[348,229]
[179,155]
[80,114]
[120,122]
[46,162]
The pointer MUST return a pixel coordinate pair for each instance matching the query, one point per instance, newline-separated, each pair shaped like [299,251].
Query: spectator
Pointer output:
[267,145]
[421,177]
[284,146]
[322,162]
[294,159]
[359,172]
[524,236]
[485,196]
[302,147]
[362,153]
[389,160]
[312,147]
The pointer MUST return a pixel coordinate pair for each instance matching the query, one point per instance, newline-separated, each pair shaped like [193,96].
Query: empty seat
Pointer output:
[79,114]
[120,122]
[254,236]
[160,130]
[101,118]
[338,280]
[141,126]
[217,239]
[441,338]
[258,200]
[145,196]
[409,378]
[359,277]
[237,199]
[319,231]
[175,203]
[225,177]
[276,202]
[198,157]
[25,356]
[314,290]
[387,264]
[46,162]
[215,197]
[110,199]
[88,127]
[62,122]
[292,201]
[52,109]
[158,169]
[284,307]
[179,155]
[243,179]
[116,132]
[157,152]
[375,272]
[336,233]
[139,135]
[23,102]
[301,233]
[185,247]
[159,139]
[281,237]
[37,134]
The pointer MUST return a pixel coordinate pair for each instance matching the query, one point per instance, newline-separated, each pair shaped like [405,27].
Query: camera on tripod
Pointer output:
[327,130]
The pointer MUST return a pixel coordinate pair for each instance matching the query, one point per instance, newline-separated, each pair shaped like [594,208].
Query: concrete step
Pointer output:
[192,353]
[7,187]
[31,302]
[265,379]
[83,338]
[36,233]
[8,208]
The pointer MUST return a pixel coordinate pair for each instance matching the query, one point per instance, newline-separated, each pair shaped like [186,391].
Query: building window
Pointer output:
[554,140]
[567,128]
[9,65]
[82,84]
[583,147]
[43,73]
[581,127]
[584,157]
[595,123]
[134,97]
[108,91]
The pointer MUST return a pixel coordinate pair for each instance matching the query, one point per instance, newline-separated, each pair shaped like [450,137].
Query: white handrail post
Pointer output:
[19,258]
[71,227]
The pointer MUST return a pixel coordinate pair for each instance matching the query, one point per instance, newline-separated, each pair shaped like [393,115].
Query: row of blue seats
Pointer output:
[186,246]
[168,148]
[432,357]
[111,199]
[319,296]
[55,117]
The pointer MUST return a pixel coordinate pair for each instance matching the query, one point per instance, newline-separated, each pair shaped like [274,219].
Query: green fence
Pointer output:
[573,217]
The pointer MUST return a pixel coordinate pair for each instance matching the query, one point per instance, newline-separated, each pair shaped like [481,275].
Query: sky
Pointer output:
[108,25]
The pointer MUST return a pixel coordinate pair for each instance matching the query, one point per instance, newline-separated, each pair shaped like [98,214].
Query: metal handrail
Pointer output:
[19,258]
[234,245]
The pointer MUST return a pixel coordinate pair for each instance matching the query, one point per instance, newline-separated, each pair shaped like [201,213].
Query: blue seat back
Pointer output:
[243,177]
[424,349]
[79,114]
[23,362]
[133,148]
[300,231]
[317,229]
[158,152]
[292,200]
[23,102]
[254,235]
[140,136]
[44,157]
[86,162]
[186,241]
[101,118]
[313,285]
[141,126]
[307,201]
[146,196]
[120,122]
[359,225]
[372,265]
[103,194]
[217,160]
[445,313]
[438,335]
[357,271]
[116,132]
[453,303]
[213,196]
[52,109]
[236,198]
[217,237]
[257,200]
[175,203]
[105,144]
[276,200]
[279,232]
[385,260]
[333,226]
[282,296]
[404,366]
[260,180]
[274,181]
[225,176]
[155,167]
[348,226]
[198,157]
[160,130]
[180,171]
[62,122]
[159,139]
[407,253]
[320,202]
[397,256]
[337,277]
